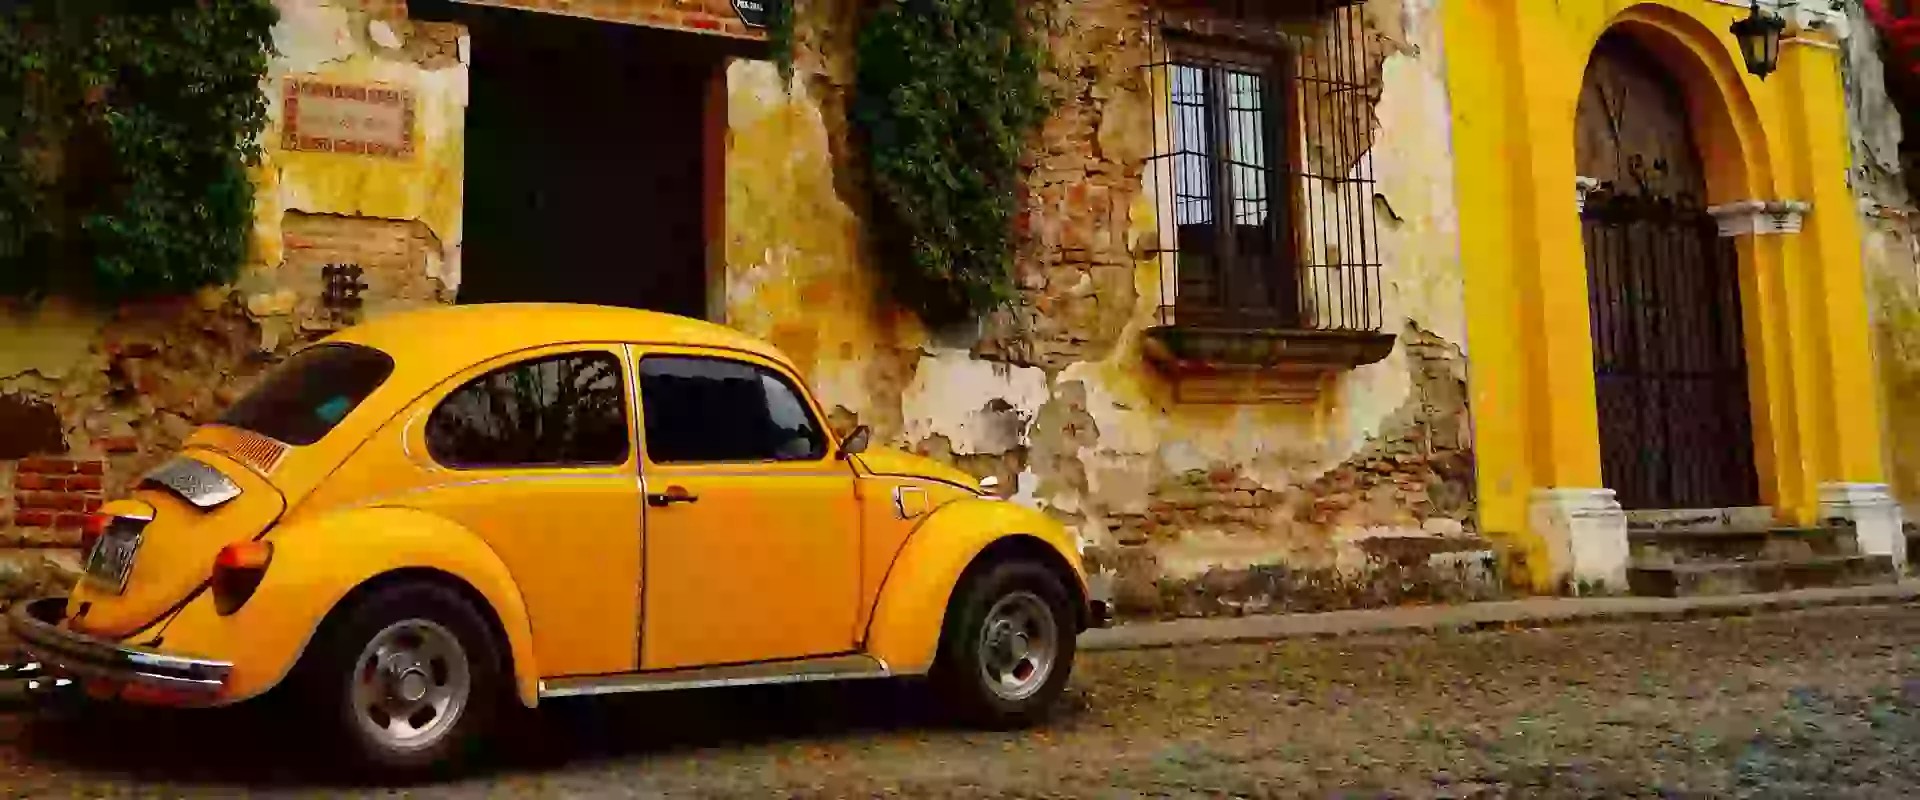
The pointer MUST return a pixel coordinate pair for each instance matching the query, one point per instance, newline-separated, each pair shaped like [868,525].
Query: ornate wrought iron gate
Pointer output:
[1676,428]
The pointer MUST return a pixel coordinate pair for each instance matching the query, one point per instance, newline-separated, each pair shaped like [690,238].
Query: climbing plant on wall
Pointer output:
[947,93]
[126,129]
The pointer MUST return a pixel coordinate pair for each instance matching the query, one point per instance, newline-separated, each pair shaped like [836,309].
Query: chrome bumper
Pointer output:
[36,623]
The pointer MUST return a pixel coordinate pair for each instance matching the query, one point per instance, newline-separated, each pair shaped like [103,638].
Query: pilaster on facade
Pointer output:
[1586,535]
[1760,217]
[1874,515]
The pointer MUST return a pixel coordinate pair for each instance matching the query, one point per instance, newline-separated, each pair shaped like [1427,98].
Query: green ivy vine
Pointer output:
[947,94]
[126,130]
[780,37]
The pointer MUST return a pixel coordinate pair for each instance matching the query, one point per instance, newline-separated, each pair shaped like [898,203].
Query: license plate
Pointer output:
[112,556]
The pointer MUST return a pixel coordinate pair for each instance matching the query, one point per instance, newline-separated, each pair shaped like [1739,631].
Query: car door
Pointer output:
[534,453]
[752,538]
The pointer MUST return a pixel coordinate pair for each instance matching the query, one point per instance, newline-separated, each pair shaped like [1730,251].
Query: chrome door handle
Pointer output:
[673,494]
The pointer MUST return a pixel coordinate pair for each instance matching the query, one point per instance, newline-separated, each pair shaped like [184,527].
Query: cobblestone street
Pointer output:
[1807,704]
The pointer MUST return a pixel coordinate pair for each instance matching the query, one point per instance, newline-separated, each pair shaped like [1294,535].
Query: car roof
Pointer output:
[469,334]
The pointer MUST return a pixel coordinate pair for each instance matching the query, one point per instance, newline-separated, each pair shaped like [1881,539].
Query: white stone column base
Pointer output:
[1875,517]
[1586,534]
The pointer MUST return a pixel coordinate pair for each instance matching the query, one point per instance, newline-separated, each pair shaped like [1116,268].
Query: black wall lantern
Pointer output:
[1759,38]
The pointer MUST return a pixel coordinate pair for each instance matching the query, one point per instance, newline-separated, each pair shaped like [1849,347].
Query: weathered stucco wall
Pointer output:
[89,397]
[1190,506]
[1890,253]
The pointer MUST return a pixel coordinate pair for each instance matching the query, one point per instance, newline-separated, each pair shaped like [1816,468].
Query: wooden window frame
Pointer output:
[1250,290]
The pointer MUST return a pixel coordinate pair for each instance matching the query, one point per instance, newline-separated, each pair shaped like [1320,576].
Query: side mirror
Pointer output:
[856,442]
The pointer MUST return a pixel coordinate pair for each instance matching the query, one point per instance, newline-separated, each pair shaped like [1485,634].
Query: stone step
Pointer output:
[1700,519]
[1745,577]
[1681,546]
[1913,546]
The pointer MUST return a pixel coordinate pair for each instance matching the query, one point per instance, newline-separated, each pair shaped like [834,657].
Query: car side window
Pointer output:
[711,410]
[564,410]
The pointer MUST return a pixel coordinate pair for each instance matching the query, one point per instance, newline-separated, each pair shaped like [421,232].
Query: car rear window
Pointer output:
[306,396]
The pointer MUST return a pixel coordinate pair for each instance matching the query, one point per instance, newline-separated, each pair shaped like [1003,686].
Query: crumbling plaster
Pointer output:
[1890,253]
[1054,395]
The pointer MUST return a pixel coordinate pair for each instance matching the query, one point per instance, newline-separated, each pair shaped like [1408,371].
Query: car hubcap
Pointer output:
[1017,645]
[412,682]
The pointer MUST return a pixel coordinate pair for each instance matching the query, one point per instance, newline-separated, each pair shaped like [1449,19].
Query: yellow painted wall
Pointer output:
[1514,79]
[1069,410]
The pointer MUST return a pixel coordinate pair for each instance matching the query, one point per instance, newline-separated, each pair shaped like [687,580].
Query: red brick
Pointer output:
[47,466]
[54,484]
[62,501]
[30,481]
[33,519]
[93,467]
[94,503]
[120,444]
[83,483]
[70,521]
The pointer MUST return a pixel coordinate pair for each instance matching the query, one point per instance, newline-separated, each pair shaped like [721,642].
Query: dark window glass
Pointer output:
[563,410]
[305,397]
[1225,150]
[705,410]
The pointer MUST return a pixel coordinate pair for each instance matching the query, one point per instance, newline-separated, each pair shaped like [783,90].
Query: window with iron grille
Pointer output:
[1263,171]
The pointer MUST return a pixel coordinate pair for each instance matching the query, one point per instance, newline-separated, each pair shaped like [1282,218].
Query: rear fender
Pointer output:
[318,561]
[912,606]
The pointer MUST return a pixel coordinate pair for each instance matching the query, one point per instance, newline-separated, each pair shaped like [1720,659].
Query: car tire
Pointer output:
[405,679]
[1007,646]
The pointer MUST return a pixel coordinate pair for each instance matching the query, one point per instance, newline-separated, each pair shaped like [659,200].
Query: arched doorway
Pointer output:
[1669,356]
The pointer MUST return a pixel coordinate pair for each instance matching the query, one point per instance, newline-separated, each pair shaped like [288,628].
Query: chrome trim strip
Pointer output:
[35,622]
[636,410]
[693,471]
[637,424]
[829,668]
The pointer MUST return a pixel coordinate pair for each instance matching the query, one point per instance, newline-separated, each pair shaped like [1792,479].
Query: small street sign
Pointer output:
[754,13]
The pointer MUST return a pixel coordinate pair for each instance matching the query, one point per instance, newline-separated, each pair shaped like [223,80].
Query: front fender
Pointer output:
[317,561]
[912,606]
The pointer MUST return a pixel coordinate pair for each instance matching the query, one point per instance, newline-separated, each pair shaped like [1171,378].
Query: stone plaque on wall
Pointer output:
[342,118]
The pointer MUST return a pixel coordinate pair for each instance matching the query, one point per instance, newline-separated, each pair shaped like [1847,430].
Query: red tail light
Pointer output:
[237,571]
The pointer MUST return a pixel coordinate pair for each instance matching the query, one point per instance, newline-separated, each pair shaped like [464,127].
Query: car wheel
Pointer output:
[1007,647]
[406,678]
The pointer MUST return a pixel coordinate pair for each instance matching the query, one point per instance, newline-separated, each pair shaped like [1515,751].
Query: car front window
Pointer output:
[305,397]
[710,410]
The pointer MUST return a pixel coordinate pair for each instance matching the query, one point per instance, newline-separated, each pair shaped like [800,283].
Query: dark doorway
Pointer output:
[1670,367]
[588,174]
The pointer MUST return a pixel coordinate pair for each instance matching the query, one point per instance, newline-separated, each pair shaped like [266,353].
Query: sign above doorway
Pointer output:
[747,22]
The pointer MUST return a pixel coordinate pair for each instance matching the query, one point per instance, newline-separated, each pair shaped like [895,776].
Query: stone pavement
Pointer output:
[1536,612]
[1819,704]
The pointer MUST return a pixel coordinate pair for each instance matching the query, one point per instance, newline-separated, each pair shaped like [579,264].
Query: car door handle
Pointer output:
[673,494]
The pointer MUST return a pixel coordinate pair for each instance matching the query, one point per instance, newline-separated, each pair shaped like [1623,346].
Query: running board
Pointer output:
[829,668]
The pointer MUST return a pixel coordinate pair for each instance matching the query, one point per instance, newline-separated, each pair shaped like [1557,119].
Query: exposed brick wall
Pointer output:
[50,499]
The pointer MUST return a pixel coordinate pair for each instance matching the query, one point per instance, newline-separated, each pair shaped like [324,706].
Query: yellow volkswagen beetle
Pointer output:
[424,517]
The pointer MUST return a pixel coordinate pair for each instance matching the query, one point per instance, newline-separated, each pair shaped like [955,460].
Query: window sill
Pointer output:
[1272,365]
